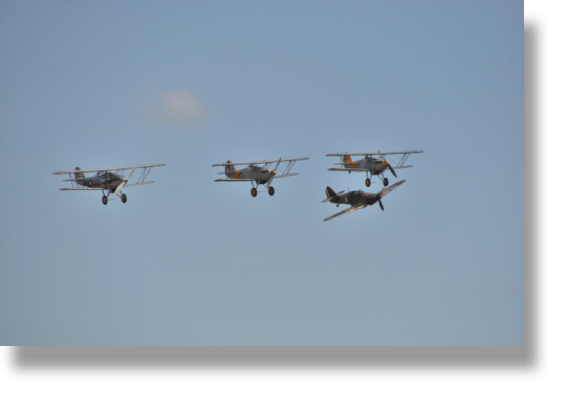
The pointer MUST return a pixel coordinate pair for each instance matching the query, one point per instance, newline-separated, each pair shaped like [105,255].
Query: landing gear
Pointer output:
[105,200]
[386,181]
[270,190]
[367,182]
[123,198]
[254,192]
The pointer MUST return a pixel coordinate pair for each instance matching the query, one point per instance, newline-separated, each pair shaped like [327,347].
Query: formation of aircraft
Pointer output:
[114,180]
[258,174]
[373,166]
[356,199]
[107,180]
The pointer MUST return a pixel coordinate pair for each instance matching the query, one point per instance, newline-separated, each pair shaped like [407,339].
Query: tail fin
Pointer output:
[78,176]
[330,193]
[347,159]
[229,169]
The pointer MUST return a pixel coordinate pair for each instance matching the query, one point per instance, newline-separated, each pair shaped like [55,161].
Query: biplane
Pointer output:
[112,180]
[258,172]
[356,199]
[373,166]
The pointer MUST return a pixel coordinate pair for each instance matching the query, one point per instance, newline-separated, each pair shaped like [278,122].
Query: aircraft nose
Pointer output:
[274,172]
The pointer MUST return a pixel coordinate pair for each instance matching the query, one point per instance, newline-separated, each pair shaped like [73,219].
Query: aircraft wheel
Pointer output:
[271,190]
[367,182]
[123,198]
[386,182]
[104,200]
[254,192]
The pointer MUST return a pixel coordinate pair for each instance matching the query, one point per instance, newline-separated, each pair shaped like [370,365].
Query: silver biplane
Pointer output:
[258,174]
[356,199]
[107,180]
[372,165]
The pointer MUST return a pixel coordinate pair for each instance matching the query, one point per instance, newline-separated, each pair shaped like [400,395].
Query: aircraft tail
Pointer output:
[330,193]
[78,176]
[347,159]
[229,170]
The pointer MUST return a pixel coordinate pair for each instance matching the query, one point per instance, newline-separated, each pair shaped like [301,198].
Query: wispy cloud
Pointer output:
[177,107]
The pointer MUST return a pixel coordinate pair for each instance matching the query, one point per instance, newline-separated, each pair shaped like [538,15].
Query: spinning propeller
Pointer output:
[387,163]
[124,182]
[273,173]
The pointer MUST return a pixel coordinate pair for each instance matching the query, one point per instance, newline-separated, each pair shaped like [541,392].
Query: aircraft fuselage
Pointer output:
[355,197]
[105,180]
[260,175]
[374,165]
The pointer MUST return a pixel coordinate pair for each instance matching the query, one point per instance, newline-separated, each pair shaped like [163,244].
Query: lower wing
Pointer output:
[103,188]
[350,209]
[83,188]
[235,180]
[348,169]
[286,175]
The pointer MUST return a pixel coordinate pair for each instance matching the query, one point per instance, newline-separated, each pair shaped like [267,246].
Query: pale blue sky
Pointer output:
[191,262]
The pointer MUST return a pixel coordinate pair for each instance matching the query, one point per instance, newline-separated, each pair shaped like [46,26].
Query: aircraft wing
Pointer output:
[348,169]
[111,169]
[375,153]
[235,180]
[348,210]
[286,175]
[82,188]
[260,163]
[388,189]
[138,184]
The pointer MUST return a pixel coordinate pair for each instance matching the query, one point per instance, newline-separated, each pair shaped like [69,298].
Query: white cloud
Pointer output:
[178,107]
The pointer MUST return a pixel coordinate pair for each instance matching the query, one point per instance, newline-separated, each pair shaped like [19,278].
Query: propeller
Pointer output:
[387,163]
[124,182]
[381,205]
[273,173]
[276,168]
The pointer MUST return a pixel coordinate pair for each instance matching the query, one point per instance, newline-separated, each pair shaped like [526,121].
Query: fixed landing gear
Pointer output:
[123,198]
[270,190]
[105,200]
[386,181]
[254,192]
[367,182]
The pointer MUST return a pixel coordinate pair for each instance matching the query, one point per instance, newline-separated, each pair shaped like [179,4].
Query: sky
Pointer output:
[188,261]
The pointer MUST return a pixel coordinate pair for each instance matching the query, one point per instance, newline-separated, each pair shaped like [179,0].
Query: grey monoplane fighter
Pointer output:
[106,180]
[258,174]
[373,166]
[356,199]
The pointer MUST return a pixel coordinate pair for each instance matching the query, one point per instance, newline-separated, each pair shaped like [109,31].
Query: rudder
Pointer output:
[330,193]
[78,176]
[229,169]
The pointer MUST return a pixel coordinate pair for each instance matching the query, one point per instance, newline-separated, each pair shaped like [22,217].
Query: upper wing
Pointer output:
[260,163]
[375,153]
[111,169]
[350,209]
[387,190]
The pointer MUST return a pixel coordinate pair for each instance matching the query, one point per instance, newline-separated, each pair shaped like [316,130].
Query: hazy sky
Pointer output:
[188,261]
